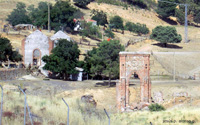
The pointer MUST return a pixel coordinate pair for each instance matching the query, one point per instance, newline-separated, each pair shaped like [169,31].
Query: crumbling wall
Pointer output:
[130,63]
[37,40]
[11,74]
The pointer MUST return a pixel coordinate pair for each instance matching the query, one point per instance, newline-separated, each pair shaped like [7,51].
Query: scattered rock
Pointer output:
[181,94]
[89,99]
[158,97]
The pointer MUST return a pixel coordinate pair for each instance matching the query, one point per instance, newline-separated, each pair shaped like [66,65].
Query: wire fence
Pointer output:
[34,117]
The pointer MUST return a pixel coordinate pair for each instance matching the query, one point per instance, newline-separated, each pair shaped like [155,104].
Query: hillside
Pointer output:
[132,14]
[8,5]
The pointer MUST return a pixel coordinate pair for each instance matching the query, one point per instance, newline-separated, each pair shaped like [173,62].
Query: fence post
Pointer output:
[67,112]
[25,105]
[1,104]
[107,116]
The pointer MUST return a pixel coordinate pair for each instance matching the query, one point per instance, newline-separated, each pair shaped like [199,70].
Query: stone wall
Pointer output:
[11,74]
[37,40]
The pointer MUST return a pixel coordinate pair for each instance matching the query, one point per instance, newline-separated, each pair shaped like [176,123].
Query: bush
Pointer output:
[82,3]
[156,107]
[90,30]
[197,18]
[137,28]
[139,3]
[129,26]
[117,22]
[166,34]
[100,17]
[180,15]
[109,33]
[140,29]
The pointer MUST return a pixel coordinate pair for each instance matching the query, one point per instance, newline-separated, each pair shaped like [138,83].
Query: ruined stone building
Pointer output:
[37,45]
[34,47]
[59,35]
[133,63]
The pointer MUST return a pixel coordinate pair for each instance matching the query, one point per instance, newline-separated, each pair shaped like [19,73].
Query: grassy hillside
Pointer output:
[8,5]
[131,14]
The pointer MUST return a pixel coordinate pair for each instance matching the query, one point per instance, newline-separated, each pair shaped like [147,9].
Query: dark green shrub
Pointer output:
[139,3]
[100,17]
[141,29]
[166,34]
[109,33]
[90,30]
[117,22]
[137,28]
[197,18]
[129,26]
[180,15]
[156,107]
[82,3]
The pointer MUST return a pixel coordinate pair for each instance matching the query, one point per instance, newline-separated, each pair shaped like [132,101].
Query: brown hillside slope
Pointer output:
[132,14]
[6,6]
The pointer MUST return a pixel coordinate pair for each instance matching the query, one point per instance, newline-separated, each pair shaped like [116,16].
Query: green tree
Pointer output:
[129,26]
[39,15]
[165,9]
[117,22]
[104,60]
[100,17]
[180,15]
[62,15]
[82,3]
[109,33]
[139,3]
[137,28]
[19,15]
[64,58]
[140,29]
[90,30]
[197,18]
[166,35]
[6,51]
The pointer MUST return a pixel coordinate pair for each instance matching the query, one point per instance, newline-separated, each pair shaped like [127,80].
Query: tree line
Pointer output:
[62,15]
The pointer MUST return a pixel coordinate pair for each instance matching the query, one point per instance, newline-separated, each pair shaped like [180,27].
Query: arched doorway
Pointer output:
[36,57]
[136,63]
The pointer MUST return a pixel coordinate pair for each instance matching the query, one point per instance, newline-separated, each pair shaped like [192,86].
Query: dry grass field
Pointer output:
[53,111]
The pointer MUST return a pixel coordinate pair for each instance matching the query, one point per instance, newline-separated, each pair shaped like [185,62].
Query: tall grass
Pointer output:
[55,111]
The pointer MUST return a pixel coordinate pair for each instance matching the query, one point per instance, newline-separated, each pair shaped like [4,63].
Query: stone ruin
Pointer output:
[133,63]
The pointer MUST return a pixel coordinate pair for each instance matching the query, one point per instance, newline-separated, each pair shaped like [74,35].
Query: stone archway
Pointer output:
[133,62]
[36,57]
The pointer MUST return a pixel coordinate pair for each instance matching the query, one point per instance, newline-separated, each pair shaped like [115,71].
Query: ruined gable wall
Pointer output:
[32,42]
